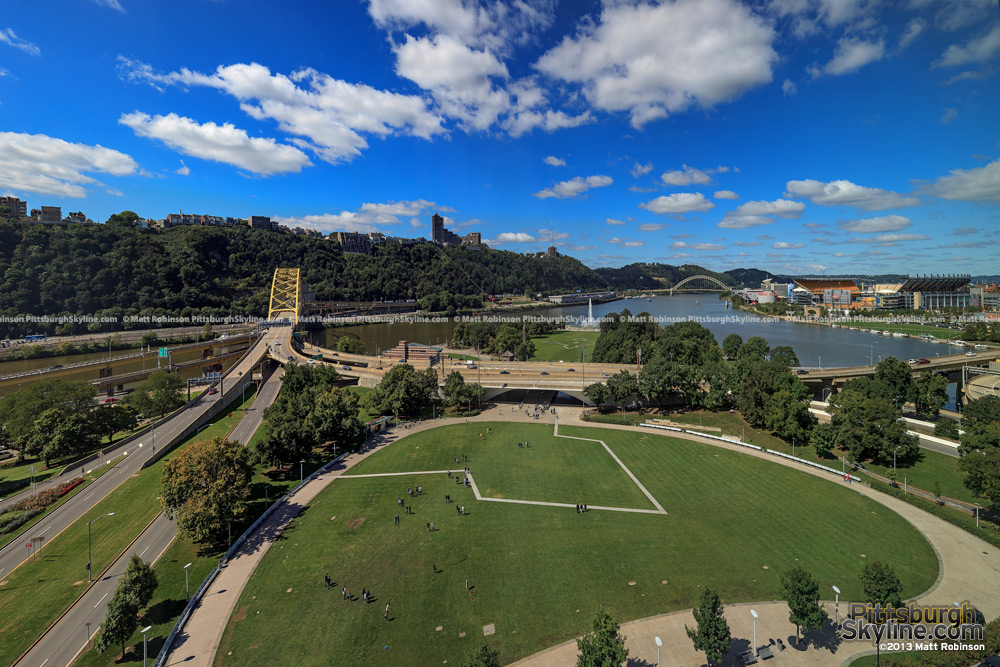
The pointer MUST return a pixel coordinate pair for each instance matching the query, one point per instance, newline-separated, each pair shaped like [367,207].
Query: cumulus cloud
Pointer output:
[370,217]
[511,237]
[614,221]
[328,116]
[784,245]
[554,161]
[651,60]
[851,55]
[845,193]
[582,248]
[726,194]
[650,227]
[890,239]
[183,170]
[782,208]
[574,187]
[978,50]
[886,223]
[220,143]
[696,246]
[686,176]
[641,169]
[913,30]
[8,36]
[681,202]
[747,244]
[548,234]
[625,243]
[46,165]
[981,184]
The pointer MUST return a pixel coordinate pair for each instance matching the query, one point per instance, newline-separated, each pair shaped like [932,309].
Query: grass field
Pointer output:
[539,572]
[564,345]
[34,594]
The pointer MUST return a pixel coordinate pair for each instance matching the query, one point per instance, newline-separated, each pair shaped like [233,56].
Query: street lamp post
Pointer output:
[90,559]
[894,462]
[301,469]
[187,582]
[145,647]
[836,607]
[659,643]
[754,614]
[977,515]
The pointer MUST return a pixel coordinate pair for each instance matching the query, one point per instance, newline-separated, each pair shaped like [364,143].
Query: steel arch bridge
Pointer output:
[286,294]
[700,277]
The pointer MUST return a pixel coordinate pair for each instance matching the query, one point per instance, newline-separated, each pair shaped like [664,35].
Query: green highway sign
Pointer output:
[164,352]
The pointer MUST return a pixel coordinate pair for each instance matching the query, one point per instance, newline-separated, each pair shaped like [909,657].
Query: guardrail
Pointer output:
[196,598]
[737,441]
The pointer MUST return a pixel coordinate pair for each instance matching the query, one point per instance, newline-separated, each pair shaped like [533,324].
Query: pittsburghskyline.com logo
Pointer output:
[914,627]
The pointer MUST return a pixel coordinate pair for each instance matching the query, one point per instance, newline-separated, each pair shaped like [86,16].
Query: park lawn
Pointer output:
[916,329]
[564,345]
[539,573]
[34,594]
[89,479]
[916,659]
[552,469]
[462,357]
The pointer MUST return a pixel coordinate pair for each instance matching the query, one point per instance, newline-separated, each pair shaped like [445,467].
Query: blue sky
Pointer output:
[801,136]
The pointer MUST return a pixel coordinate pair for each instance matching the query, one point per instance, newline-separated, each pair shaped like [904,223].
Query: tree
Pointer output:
[712,634]
[822,440]
[760,383]
[350,345]
[946,428]
[20,409]
[598,393]
[206,487]
[288,435]
[893,381]
[56,434]
[525,351]
[754,348]
[120,622]
[604,646]
[139,580]
[785,354]
[110,419]
[622,385]
[157,394]
[981,423]
[868,428]
[802,595]
[334,417]
[486,656]
[880,585]
[788,416]
[403,391]
[930,393]
[126,219]
[731,345]
[982,474]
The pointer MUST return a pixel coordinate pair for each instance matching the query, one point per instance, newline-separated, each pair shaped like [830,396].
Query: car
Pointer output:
[571,370]
[911,361]
[111,399]
[970,353]
[346,367]
[801,371]
[52,368]
[544,373]
[213,391]
[921,360]
[312,361]
[504,372]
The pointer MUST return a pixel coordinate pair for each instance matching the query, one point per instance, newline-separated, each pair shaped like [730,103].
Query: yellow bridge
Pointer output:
[286,295]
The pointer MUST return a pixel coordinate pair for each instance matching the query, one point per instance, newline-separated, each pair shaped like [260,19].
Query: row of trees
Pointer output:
[502,337]
[134,591]
[980,449]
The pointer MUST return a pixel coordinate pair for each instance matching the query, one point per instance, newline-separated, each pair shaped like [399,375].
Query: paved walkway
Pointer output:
[970,570]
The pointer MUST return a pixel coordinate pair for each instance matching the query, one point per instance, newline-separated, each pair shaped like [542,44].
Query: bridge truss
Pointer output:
[710,279]
[286,294]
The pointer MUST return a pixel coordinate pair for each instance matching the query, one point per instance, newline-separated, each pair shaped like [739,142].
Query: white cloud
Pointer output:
[614,221]
[784,245]
[845,193]
[650,227]
[965,231]
[641,169]
[220,143]
[887,239]
[726,194]
[183,170]
[404,209]
[511,237]
[681,202]
[574,187]
[554,161]
[979,50]
[626,243]
[332,116]
[696,246]
[913,30]
[654,60]
[111,4]
[8,36]
[981,184]
[955,14]
[686,176]
[549,235]
[788,88]
[744,221]
[851,55]
[809,13]
[782,208]
[887,223]
[747,244]
[582,248]
[370,217]
[949,115]
[46,165]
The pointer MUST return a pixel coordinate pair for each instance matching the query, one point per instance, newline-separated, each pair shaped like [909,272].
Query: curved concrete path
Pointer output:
[970,571]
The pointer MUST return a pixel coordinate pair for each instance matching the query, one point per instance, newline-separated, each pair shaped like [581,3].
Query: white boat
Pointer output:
[959,343]
[899,334]
[980,346]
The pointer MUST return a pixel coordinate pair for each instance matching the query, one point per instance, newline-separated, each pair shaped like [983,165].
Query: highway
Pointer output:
[138,453]
[950,362]
[60,646]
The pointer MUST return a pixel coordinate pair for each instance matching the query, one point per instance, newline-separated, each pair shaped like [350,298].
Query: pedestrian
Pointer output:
[434,567]
[432,526]
[428,526]
[350,598]
[386,611]
[343,592]
[364,594]
[458,509]
[466,583]
[397,519]
[326,580]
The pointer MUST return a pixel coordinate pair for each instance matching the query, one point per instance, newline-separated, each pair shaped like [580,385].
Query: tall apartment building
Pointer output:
[47,214]
[443,236]
[262,222]
[18,208]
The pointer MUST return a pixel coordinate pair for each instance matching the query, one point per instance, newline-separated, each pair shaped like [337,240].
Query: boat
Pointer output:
[899,334]
[980,346]
[959,343]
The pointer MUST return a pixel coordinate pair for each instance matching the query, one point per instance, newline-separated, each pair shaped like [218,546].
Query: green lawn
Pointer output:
[916,329]
[564,345]
[34,594]
[537,572]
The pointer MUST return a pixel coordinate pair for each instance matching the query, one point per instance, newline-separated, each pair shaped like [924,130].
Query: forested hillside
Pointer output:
[655,276]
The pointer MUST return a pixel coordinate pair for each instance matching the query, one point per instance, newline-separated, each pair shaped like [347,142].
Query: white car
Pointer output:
[970,353]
